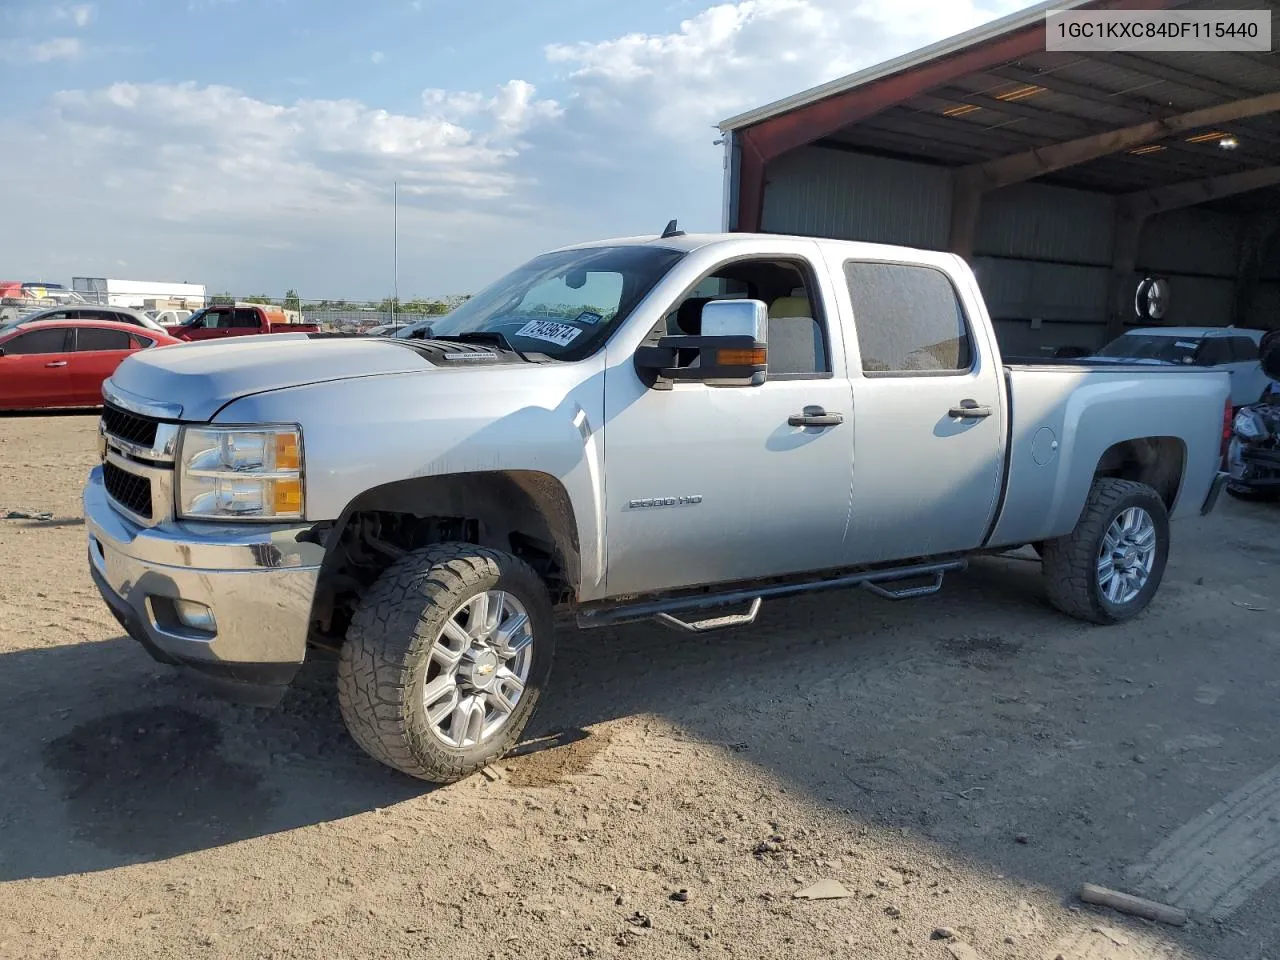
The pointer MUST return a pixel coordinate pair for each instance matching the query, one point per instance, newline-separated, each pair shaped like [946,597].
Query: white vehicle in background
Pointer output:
[88,311]
[1233,349]
[169,318]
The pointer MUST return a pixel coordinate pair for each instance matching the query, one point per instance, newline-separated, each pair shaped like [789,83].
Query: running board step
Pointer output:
[669,609]
[904,593]
[713,623]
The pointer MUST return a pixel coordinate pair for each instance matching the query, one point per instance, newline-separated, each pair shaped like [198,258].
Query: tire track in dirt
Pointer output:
[1212,865]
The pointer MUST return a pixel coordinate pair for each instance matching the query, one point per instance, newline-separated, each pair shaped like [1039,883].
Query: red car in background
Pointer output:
[62,363]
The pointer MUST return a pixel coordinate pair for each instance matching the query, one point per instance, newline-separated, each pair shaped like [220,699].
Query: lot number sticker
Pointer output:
[560,334]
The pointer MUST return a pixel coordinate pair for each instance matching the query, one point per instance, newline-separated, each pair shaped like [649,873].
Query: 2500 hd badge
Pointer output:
[664,502]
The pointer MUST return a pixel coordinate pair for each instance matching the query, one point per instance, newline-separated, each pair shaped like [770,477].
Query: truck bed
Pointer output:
[1065,414]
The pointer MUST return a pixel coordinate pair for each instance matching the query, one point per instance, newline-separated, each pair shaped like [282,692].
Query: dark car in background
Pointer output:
[1253,455]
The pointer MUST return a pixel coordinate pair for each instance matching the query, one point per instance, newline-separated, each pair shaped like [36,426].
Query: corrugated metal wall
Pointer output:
[1031,289]
[1038,222]
[832,193]
[1042,253]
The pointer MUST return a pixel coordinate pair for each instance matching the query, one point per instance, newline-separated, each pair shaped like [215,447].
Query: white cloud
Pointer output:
[512,109]
[252,184]
[40,51]
[735,56]
[311,158]
[377,57]
[78,13]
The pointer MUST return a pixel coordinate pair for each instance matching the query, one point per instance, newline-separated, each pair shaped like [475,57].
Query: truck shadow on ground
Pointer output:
[899,714]
[136,763]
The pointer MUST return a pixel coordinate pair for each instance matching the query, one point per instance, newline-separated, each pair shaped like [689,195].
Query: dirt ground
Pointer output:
[965,761]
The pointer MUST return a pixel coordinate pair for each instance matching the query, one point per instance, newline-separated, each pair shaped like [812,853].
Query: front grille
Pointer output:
[129,427]
[129,490]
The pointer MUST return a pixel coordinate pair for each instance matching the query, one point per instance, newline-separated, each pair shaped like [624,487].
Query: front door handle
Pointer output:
[967,409]
[815,417]
[57,363]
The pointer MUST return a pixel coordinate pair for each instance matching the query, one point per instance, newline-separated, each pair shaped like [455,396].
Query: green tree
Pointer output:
[259,298]
[224,299]
[292,301]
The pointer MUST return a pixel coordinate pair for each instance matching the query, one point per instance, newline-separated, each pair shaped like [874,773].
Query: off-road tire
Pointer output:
[383,664]
[1070,563]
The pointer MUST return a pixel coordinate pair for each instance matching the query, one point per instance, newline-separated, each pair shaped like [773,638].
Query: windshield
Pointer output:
[194,319]
[561,304]
[1143,346]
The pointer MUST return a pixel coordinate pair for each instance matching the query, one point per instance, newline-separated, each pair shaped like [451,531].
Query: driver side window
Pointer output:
[797,334]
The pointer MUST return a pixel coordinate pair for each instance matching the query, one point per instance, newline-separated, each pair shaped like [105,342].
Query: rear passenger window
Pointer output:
[908,319]
[92,339]
[244,319]
[1213,351]
[1243,350]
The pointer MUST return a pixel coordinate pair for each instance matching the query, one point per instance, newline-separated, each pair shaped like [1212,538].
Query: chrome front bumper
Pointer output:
[258,581]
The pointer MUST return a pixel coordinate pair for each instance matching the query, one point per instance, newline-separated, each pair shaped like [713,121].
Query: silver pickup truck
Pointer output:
[671,428]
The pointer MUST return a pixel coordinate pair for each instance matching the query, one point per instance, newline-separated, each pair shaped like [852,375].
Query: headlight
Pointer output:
[1248,425]
[250,473]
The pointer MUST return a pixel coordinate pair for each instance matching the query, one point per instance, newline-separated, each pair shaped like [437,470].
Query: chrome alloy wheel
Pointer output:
[1126,556]
[478,669]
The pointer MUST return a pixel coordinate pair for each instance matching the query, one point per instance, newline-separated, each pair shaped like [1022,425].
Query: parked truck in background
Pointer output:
[674,428]
[237,320]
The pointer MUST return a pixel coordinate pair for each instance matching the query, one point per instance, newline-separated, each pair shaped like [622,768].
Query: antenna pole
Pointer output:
[395,250]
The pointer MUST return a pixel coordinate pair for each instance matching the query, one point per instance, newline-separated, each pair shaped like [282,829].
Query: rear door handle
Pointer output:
[968,409]
[57,363]
[815,417]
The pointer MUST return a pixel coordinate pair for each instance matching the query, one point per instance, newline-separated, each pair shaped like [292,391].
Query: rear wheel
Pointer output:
[1109,567]
[445,660]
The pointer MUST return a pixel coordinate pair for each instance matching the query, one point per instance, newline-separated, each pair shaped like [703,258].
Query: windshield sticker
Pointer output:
[1186,345]
[561,334]
[588,316]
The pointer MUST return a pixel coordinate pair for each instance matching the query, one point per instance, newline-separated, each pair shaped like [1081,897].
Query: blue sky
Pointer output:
[251,144]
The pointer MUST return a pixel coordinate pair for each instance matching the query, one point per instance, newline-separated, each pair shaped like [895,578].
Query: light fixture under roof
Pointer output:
[1206,137]
[1228,143]
[1020,93]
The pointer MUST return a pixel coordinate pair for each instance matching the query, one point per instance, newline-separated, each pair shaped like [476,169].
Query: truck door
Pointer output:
[211,324]
[709,484]
[246,320]
[929,415]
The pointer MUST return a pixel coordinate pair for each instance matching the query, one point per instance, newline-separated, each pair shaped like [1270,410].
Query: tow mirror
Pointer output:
[731,350]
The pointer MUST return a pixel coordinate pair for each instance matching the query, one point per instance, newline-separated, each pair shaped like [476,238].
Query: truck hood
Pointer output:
[196,379]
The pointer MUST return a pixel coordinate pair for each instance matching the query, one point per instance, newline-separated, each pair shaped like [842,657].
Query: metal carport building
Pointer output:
[1064,178]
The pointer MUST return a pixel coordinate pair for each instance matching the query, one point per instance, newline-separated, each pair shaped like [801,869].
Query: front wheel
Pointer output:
[1109,567]
[445,660]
